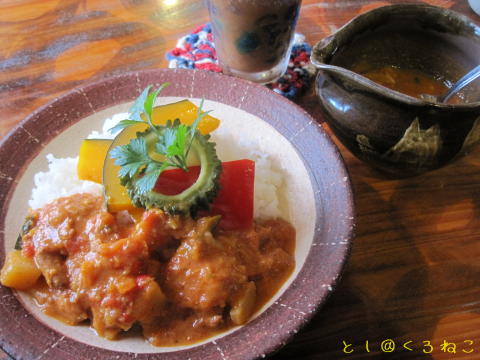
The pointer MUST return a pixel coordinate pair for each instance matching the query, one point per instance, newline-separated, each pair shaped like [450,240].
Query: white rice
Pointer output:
[107,125]
[61,178]
[268,183]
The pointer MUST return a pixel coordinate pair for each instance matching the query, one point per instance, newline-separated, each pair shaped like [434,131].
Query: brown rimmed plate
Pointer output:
[316,199]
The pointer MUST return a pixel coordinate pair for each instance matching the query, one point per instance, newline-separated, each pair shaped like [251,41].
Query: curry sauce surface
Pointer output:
[407,81]
[180,279]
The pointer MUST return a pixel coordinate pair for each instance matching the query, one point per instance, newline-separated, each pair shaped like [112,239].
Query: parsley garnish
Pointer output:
[173,141]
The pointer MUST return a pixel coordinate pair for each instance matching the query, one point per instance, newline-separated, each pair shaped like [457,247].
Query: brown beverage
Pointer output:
[253,37]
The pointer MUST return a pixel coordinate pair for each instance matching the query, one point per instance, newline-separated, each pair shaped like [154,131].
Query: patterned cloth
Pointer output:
[197,51]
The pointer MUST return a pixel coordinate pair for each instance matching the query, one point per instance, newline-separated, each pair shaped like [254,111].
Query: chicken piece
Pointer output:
[202,275]
[53,268]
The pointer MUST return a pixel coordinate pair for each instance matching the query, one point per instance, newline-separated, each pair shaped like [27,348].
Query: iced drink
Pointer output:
[253,38]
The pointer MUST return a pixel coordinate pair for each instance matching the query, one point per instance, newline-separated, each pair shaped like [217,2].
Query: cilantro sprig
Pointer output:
[173,141]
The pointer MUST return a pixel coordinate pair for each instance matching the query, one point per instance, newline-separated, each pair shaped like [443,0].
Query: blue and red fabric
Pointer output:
[197,51]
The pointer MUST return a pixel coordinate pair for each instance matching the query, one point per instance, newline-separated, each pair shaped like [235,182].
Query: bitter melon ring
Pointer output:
[196,197]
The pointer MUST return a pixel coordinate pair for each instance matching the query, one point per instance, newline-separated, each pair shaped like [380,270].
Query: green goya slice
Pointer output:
[196,197]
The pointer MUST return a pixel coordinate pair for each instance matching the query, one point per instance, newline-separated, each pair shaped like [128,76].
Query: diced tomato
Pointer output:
[235,198]
[28,249]
[111,301]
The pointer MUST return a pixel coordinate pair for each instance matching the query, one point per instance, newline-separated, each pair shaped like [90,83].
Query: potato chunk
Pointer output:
[19,271]
[243,304]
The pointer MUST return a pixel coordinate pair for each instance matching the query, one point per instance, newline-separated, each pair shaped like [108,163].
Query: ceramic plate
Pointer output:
[316,199]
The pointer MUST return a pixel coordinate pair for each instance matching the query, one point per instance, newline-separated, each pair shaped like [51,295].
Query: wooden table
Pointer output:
[414,272]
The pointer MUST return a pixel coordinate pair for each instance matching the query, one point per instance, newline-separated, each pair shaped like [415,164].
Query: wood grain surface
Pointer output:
[414,272]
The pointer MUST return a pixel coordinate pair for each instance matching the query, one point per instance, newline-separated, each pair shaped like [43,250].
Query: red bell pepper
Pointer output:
[235,198]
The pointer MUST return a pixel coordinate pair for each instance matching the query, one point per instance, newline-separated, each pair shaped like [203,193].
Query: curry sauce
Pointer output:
[180,279]
[407,81]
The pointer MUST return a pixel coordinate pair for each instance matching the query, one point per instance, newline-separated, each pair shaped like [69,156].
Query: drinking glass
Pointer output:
[253,38]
